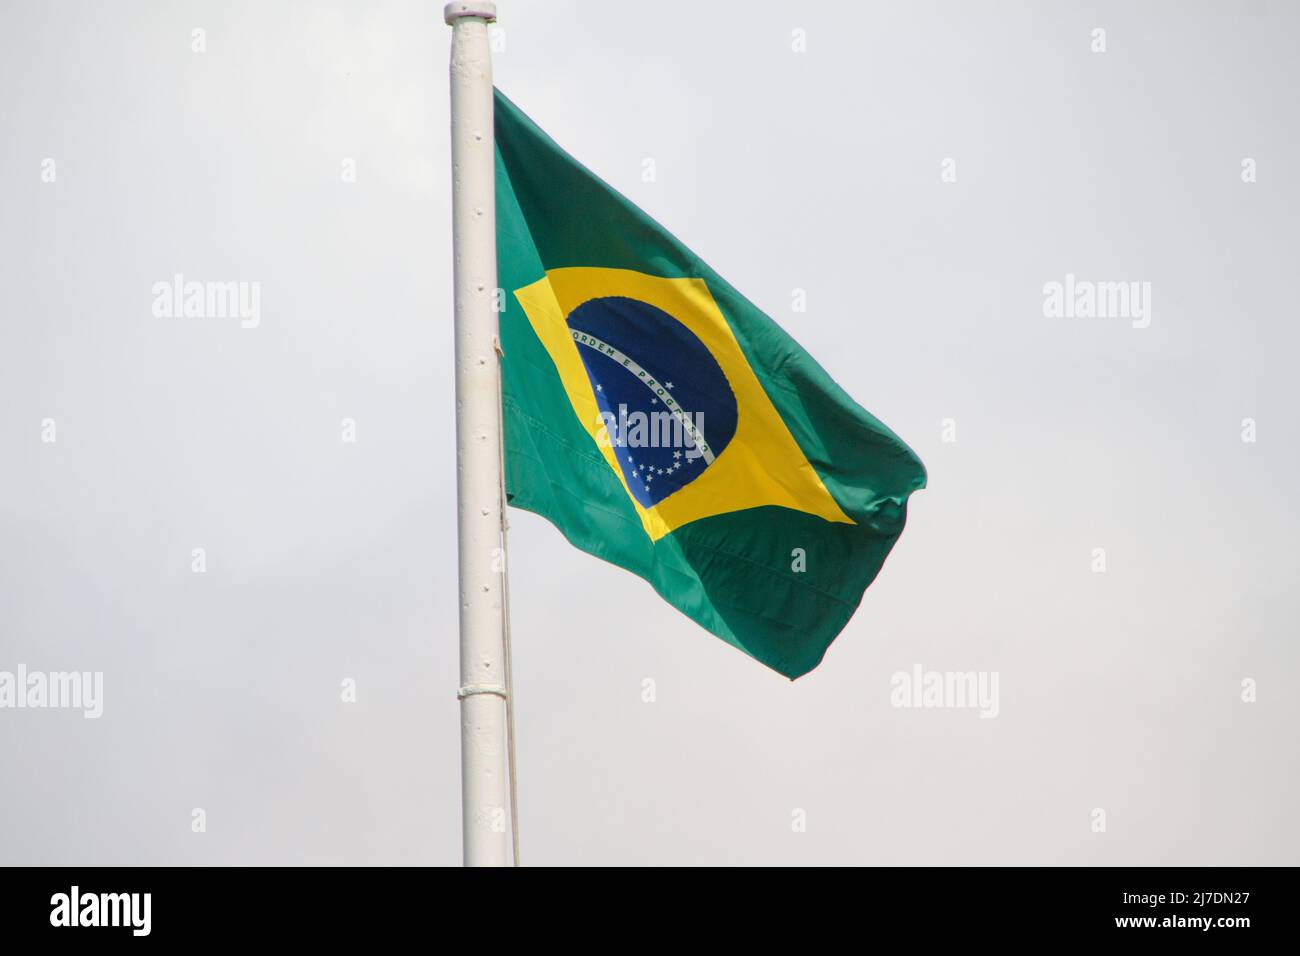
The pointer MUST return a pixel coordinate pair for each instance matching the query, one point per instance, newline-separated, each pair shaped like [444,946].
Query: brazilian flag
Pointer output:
[665,424]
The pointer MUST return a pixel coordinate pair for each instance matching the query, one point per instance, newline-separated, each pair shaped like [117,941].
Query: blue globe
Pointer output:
[668,409]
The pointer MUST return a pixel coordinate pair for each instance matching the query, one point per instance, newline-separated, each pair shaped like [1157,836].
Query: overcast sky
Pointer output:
[810,160]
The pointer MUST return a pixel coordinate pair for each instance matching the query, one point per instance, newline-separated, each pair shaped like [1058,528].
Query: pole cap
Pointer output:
[460,9]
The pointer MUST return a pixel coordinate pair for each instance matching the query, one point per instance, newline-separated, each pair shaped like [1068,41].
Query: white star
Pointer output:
[677,454]
[654,401]
[668,384]
[649,478]
[661,471]
[630,461]
[600,388]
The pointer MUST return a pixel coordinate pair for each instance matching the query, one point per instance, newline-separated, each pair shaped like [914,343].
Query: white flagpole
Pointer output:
[482,694]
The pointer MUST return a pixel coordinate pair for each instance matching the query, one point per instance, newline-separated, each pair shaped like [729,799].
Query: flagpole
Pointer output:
[483,688]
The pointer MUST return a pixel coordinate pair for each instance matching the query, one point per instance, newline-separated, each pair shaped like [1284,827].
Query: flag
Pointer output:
[663,423]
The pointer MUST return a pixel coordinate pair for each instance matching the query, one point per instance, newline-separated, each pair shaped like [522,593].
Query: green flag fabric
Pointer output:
[663,423]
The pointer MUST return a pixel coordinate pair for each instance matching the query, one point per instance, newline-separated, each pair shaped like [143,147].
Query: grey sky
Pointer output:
[816,170]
